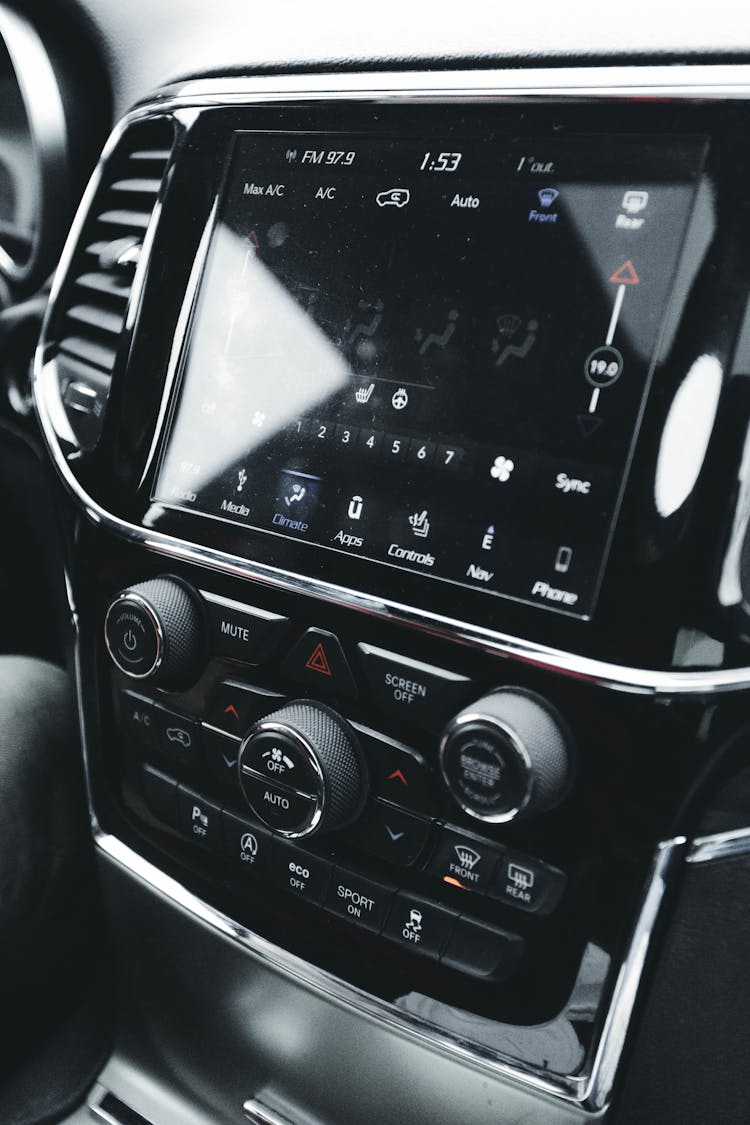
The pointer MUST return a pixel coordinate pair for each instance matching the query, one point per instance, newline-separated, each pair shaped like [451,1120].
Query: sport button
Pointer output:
[358,899]
[419,693]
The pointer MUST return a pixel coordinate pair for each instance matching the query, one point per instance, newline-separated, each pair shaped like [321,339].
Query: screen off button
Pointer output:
[419,693]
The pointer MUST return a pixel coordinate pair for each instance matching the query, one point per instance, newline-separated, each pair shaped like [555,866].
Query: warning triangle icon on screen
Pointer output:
[318,661]
[625,275]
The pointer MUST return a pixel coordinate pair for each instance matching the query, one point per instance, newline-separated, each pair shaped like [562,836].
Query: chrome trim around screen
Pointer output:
[720,845]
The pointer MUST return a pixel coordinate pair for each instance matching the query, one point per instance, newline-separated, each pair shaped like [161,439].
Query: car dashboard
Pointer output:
[397,422]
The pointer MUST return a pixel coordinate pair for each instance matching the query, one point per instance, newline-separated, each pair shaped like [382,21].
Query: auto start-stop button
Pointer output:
[133,636]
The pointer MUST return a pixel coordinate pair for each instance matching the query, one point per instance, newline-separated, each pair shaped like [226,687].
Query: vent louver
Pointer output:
[94,303]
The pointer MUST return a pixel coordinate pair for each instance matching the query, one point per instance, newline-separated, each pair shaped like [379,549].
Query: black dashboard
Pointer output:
[398,419]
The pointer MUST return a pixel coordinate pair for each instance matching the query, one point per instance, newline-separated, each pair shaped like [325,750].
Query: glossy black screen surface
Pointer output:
[434,356]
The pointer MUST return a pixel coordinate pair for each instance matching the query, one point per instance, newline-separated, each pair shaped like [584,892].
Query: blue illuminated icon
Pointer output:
[547,196]
[297,496]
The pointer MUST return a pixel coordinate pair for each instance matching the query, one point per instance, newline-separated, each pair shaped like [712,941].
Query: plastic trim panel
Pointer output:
[590,1090]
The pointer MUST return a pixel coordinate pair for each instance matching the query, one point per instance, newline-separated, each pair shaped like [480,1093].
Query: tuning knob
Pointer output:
[155,631]
[508,755]
[302,770]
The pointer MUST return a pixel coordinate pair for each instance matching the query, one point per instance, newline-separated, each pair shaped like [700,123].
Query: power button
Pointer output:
[134,636]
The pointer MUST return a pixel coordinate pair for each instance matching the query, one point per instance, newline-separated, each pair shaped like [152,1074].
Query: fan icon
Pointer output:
[501,469]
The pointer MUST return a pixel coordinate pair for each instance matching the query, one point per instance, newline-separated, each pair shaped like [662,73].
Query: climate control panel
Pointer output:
[296,792]
[302,770]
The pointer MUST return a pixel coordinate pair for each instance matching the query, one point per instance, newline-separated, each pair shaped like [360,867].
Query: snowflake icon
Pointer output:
[501,469]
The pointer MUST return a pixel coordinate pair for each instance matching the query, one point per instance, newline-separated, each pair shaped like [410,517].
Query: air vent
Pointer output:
[94,302]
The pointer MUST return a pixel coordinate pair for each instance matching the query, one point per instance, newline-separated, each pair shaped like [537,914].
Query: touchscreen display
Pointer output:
[431,355]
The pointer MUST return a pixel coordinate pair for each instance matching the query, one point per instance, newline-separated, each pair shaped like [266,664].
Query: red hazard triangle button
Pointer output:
[625,274]
[317,661]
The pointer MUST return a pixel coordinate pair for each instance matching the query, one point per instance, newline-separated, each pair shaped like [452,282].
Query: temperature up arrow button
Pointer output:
[396,772]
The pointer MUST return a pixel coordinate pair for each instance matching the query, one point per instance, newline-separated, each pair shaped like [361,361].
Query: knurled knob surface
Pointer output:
[302,770]
[154,631]
[508,755]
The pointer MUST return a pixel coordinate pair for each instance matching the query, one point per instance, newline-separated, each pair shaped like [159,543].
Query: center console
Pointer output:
[408,431]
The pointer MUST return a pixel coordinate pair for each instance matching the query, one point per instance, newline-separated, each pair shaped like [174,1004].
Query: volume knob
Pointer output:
[154,631]
[508,755]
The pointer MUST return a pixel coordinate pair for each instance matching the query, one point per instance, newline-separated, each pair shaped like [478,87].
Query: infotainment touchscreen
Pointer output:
[433,355]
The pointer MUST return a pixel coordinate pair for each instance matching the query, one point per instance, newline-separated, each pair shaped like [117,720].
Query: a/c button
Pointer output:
[419,693]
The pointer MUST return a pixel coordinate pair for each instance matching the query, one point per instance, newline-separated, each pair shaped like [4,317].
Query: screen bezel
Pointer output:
[252,531]
[656,564]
